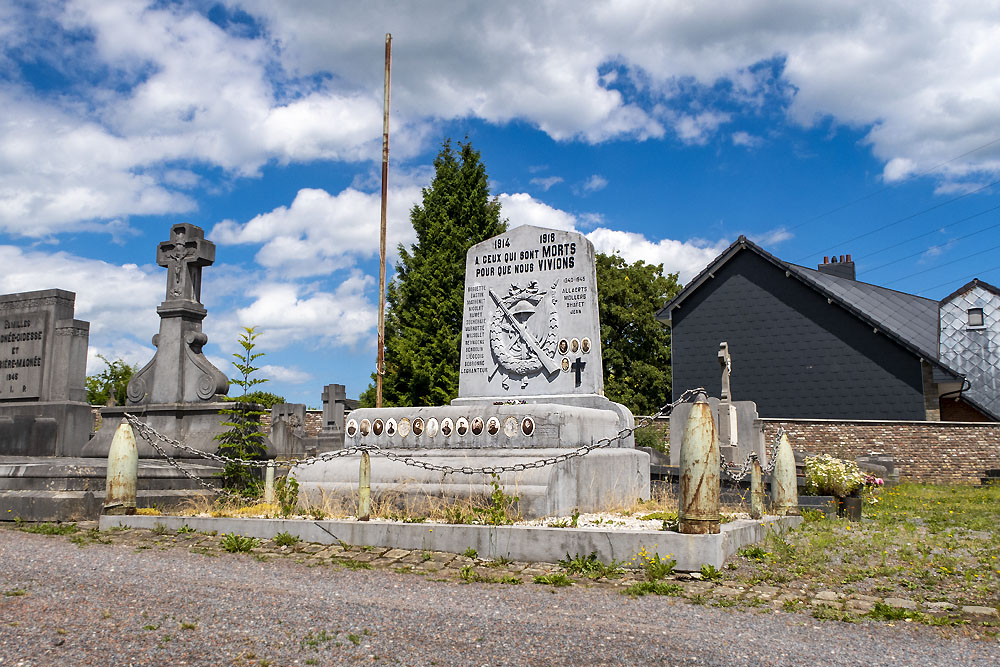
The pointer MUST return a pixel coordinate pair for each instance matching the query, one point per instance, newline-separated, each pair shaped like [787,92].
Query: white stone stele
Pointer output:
[531,350]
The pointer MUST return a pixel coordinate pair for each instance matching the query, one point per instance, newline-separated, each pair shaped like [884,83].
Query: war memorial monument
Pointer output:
[531,388]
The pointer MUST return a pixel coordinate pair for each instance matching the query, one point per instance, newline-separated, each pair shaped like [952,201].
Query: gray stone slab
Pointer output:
[43,360]
[522,543]
[530,322]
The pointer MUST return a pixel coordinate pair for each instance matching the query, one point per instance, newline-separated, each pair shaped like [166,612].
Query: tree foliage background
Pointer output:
[423,324]
[112,381]
[635,347]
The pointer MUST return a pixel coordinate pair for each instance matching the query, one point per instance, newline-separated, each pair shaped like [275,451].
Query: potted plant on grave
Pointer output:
[826,475]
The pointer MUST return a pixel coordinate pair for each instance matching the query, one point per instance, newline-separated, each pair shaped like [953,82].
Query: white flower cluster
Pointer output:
[826,475]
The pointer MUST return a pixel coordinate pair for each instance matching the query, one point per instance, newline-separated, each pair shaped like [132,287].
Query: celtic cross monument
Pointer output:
[179,391]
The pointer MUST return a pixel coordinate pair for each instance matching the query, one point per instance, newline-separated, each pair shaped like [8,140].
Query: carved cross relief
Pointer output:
[184,255]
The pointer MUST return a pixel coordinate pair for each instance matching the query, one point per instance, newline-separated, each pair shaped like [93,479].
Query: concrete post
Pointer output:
[698,513]
[784,491]
[756,491]
[269,495]
[123,471]
[365,488]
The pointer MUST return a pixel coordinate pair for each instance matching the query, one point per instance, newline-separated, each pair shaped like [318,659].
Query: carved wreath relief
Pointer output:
[520,353]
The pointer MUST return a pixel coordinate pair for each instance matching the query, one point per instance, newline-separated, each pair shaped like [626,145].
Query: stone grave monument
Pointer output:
[43,367]
[178,392]
[288,434]
[531,387]
[736,422]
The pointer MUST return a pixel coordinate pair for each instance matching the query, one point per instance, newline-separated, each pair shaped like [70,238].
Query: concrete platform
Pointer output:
[603,478]
[36,488]
[520,543]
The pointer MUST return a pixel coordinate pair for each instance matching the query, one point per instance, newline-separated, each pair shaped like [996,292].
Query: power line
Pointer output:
[909,217]
[894,185]
[939,266]
[920,252]
[965,279]
[933,231]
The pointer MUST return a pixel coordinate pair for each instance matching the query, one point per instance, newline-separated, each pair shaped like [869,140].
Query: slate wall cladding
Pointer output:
[793,353]
[974,350]
[937,452]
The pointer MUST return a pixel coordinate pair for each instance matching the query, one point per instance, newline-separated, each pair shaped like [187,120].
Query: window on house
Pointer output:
[975,317]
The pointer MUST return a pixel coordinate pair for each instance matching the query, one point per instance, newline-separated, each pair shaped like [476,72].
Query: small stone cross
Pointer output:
[577,368]
[726,362]
[184,255]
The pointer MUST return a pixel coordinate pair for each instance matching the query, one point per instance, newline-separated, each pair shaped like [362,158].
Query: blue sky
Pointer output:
[662,130]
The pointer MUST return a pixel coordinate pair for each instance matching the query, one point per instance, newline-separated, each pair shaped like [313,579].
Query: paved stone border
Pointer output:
[519,543]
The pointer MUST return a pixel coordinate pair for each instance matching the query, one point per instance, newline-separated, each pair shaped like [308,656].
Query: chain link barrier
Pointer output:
[731,468]
[150,435]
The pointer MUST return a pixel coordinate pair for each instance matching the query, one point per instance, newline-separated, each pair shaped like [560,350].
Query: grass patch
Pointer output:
[352,564]
[653,588]
[49,528]
[234,543]
[557,579]
[592,567]
[285,539]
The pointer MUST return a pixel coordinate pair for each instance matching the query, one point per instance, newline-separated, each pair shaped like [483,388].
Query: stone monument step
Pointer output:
[37,505]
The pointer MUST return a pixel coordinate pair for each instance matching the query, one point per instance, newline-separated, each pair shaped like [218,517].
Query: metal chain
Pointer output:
[149,434]
[745,468]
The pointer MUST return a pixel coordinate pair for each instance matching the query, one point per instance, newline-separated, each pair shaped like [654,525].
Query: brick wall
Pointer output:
[938,452]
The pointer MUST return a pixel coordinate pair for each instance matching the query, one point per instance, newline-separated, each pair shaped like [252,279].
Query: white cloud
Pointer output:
[288,374]
[287,313]
[320,233]
[684,257]
[161,90]
[522,209]
[595,183]
[547,182]
[746,139]
[772,236]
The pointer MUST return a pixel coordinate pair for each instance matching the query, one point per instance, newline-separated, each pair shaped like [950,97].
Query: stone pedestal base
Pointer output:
[40,488]
[194,424]
[602,479]
[44,428]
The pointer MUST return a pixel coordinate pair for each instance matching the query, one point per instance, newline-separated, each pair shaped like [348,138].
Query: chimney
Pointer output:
[842,267]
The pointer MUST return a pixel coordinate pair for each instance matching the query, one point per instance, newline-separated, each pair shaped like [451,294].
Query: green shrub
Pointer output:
[654,588]
[828,476]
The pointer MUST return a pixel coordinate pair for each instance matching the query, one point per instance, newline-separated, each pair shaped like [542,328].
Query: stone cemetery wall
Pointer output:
[938,452]
[934,452]
[314,421]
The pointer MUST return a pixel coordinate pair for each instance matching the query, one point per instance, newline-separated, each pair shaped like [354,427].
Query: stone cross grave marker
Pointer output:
[728,429]
[183,256]
[530,323]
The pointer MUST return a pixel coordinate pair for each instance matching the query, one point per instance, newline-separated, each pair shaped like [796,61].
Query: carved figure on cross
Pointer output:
[184,255]
[726,362]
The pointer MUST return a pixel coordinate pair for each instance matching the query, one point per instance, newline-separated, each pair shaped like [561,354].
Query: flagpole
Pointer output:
[380,363]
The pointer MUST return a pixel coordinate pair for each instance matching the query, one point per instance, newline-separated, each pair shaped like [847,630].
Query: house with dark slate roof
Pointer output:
[819,344]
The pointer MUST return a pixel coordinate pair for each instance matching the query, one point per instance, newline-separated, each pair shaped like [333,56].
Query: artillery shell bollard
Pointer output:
[784,492]
[365,488]
[269,496]
[123,470]
[756,491]
[698,513]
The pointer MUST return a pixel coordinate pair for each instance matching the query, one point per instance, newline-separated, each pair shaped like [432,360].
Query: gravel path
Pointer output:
[109,605]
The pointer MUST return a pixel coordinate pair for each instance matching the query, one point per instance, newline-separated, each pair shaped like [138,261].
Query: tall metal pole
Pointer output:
[380,364]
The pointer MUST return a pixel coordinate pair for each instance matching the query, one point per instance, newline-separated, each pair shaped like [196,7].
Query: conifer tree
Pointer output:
[635,347]
[423,324]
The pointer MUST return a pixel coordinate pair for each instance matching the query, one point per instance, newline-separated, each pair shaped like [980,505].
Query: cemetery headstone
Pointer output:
[43,365]
[530,386]
[737,422]
[179,391]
